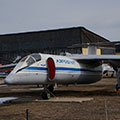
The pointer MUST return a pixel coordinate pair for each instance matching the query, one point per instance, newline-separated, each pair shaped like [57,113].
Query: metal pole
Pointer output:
[27,110]
[106,110]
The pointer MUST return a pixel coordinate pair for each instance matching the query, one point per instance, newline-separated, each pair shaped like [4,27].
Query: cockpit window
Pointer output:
[22,60]
[30,61]
[36,56]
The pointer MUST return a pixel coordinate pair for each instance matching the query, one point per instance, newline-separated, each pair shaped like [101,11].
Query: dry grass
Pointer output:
[92,110]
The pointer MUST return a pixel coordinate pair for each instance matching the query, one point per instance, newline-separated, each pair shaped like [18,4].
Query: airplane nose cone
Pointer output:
[8,80]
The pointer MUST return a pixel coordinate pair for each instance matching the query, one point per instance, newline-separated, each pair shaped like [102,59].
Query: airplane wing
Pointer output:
[95,57]
[6,69]
[7,66]
[114,60]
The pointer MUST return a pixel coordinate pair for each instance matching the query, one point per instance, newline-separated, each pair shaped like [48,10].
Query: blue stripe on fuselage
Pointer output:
[36,68]
[64,69]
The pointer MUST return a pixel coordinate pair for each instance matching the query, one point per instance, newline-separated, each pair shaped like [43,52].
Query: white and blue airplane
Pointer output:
[48,70]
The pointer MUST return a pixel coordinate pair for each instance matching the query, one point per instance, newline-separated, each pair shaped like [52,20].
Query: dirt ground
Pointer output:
[104,106]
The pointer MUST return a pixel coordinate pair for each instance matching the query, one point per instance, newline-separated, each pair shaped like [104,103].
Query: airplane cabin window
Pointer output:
[36,56]
[30,61]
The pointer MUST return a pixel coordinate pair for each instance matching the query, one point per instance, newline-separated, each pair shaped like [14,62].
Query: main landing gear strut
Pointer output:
[47,92]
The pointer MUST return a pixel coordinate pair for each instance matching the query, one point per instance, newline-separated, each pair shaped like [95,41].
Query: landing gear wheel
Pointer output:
[45,94]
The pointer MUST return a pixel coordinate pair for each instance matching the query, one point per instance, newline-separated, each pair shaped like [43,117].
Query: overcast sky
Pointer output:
[99,16]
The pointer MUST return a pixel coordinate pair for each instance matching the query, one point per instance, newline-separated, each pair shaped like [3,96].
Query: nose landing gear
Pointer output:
[48,92]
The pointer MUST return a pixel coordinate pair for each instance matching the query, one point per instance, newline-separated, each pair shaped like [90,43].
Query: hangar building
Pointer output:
[48,41]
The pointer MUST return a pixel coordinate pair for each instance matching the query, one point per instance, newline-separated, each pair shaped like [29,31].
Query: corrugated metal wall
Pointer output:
[50,41]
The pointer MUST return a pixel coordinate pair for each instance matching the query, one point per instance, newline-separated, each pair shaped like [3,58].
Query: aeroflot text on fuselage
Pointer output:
[65,61]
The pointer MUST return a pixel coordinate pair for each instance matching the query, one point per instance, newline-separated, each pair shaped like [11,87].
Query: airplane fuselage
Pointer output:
[54,69]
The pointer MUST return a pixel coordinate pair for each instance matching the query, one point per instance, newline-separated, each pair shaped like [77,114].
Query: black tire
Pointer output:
[44,95]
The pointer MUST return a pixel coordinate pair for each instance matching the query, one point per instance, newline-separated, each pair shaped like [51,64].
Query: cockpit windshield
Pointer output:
[23,59]
[30,59]
[36,56]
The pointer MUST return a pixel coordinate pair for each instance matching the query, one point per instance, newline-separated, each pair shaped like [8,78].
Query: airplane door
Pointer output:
[51,68]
